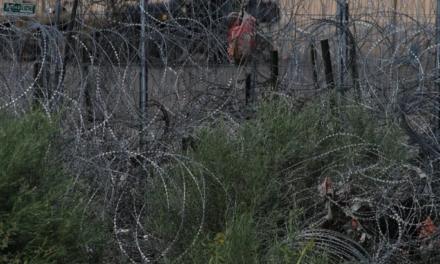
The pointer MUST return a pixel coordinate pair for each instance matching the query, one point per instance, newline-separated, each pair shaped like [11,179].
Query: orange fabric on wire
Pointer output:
[242,37]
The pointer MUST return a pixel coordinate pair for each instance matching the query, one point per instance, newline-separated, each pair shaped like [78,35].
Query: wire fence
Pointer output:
[381,56]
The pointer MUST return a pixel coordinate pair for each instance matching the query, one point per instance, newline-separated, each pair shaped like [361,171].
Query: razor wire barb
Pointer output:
[92,73]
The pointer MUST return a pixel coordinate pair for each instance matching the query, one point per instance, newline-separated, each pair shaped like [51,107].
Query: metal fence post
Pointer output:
[143,85]
[342,41]
[437,69]
[57,60]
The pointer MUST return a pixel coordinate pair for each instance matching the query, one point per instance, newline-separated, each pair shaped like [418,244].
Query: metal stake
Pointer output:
[342,40]
[143,88]
[57,13]
[57,60]
[437,69]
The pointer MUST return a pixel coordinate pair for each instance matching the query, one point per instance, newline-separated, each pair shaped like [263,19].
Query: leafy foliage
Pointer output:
[42,219]
[108,181]
[257,171]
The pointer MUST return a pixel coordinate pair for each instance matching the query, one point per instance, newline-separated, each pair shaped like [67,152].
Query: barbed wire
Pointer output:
[383,59]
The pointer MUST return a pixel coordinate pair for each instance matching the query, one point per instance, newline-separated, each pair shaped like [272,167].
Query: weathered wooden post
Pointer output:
[274,70]
[327,64]
[248,88]
[328,71]
[314,64]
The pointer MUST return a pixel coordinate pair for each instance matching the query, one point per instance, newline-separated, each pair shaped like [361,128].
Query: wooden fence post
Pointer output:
[328,64]
[315,68]
[274,70]
[248,89]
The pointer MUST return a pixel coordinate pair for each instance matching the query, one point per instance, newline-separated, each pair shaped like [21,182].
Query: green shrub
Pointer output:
[42,219]
[252,175]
